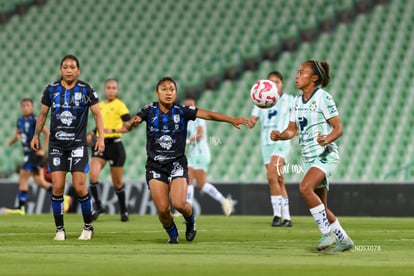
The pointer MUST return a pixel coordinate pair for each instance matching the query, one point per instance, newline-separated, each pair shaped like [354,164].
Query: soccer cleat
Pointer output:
[227,206]
[190,231]
[326,241]
[287,223]
[86,234]
[277,221]
[60,235]
[96,213]
[173,240]
[67,200]
[344,245]
[124,216]
[18,211]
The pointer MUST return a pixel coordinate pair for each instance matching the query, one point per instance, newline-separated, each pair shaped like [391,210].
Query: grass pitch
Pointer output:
[236,245]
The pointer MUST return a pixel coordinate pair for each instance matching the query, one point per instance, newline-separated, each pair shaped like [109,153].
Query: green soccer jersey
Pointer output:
[199,147]
[311,118]
[274,118]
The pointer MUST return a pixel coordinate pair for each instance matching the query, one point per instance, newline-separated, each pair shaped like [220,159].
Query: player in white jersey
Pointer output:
[316,118]
[275,153]
[198,160]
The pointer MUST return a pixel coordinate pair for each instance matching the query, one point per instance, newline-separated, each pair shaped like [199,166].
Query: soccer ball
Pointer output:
[264,93]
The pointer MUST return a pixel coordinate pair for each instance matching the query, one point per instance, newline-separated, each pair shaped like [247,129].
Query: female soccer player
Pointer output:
[275,153]
[166,168]
[316,118]
[114,113]
[198,161]
[69,100]
[32,160]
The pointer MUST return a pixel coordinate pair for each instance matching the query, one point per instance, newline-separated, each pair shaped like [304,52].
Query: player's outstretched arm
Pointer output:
[287,134]
[40,124]
[131,123]
[215,116]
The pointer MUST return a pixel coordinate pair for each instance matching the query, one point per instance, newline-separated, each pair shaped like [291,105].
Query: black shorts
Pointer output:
[76,160]
[114,152]
[32,162]
[167,172]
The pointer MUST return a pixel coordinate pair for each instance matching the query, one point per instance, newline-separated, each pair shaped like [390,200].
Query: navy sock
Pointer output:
[22,196]
[86,206]
[190,219]
[172,230]
[121,199]
[95,190]
[58,209]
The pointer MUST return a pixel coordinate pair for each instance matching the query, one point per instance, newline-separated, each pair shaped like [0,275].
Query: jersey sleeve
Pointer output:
[328,107]
[143,112]
[46,97]
[190,112]
[93,96]
[124,112]
[255,111]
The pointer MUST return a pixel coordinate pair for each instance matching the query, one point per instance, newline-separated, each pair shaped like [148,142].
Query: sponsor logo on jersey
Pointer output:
[165,141]
[66,117]
[78,152]
[61,135]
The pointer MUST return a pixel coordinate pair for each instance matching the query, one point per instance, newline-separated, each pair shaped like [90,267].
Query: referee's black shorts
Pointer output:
[114,152]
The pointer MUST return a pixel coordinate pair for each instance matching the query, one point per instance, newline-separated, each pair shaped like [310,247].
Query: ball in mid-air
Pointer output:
[264,93]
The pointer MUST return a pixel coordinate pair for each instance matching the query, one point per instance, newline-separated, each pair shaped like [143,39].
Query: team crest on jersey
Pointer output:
[176,118]
[313,106]
[78,96]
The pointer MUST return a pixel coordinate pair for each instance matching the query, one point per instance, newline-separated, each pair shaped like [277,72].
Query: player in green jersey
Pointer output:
[275,153]
[316,118]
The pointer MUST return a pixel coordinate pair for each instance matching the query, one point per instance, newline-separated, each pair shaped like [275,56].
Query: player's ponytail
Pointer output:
[321,69]
[325,69]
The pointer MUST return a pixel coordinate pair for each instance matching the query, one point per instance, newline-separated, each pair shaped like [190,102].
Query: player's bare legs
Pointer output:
[160,195]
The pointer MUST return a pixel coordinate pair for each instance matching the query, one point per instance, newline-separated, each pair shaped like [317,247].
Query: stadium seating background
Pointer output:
[138,42]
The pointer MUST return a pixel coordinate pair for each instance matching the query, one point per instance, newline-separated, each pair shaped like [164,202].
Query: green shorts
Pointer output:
[199,162]
[326,162]
[280,148]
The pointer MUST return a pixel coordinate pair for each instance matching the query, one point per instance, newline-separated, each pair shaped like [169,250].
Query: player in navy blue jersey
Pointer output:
[166,168]
[69,100]
[32,161]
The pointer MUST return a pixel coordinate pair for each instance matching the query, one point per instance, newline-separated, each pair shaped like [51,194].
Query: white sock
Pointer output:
[190,194]
[285,208]
[321,219]
[277,205]
[213,192]
[338,230]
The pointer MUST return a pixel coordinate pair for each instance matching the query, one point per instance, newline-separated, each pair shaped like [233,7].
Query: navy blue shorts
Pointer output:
[75,160]
[167,172]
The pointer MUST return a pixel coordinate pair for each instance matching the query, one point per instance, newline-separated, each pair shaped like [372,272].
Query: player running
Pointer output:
[316,118]
[166,168]
[198,160]
[275,153]
[69,100]
[114,113]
